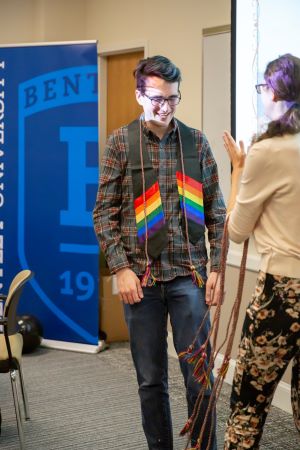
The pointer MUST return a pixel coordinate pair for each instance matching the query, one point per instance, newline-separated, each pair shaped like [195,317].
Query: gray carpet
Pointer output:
[81,401]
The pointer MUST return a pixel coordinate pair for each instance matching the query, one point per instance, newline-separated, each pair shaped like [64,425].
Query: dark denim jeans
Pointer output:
[147,324]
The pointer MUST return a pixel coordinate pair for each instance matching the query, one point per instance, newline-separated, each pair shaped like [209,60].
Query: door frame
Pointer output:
[103,52]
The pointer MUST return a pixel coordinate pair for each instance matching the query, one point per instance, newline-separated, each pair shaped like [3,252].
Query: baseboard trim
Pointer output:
[234,259]
[282,397]
[73,346]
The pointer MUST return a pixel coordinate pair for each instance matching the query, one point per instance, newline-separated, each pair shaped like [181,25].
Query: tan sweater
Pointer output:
[268,204]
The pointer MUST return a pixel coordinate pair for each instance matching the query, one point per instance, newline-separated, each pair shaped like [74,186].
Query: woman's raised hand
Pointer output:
[235,152]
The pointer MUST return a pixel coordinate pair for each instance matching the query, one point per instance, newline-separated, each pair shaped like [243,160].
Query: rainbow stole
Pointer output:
[191,198]
[149,213]
[150,219]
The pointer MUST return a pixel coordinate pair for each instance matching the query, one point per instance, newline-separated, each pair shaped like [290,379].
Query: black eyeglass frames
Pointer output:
[259,87]
[160,101]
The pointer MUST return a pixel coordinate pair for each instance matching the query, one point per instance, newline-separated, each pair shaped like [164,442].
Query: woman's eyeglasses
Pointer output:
[259,87]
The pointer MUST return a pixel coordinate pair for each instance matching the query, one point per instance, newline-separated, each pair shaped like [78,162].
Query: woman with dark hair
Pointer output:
[264,199]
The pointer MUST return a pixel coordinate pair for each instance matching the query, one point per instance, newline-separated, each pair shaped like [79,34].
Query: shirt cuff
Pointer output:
[117,262]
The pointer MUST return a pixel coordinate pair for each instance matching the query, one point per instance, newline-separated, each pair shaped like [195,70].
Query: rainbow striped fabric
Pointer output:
[154,213]
[193,198]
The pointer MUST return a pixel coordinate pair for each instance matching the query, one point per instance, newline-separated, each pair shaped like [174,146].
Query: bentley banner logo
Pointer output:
[49,155]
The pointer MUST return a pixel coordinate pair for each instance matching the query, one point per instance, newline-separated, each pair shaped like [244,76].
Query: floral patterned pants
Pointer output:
[270,340]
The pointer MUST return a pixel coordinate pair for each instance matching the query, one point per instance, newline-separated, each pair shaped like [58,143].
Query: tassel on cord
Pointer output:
[196,277]
[199,373]
[186,353]
[222,371]
[191,357]
[203,379]
[186,427]
[198,359]
[148,279]
[199,363]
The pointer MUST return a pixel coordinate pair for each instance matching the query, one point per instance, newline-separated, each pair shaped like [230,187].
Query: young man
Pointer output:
[158,190]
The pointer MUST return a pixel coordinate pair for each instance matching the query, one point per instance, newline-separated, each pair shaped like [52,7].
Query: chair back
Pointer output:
[11,304]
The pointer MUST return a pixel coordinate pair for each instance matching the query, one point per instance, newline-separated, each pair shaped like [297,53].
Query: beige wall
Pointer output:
[61,20]
[169,27]
[17,21]
[25,21]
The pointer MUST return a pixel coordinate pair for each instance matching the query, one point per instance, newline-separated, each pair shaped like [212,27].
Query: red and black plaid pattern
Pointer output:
[114,214]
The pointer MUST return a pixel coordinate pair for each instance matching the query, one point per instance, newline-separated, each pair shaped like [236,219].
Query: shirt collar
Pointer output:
[149,133]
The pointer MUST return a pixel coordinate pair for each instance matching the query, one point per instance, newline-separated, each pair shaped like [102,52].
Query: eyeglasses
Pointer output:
[160,101]
[258,87]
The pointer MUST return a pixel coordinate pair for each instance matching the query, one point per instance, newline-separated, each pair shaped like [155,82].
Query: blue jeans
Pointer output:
[147,325]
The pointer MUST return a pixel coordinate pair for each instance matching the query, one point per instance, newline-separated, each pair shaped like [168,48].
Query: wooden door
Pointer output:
[122,106]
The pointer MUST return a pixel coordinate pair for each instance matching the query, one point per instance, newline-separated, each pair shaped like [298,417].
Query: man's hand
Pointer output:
[213,293]
[129,286]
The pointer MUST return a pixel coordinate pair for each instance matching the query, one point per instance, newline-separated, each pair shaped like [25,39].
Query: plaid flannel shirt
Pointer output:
[114,215]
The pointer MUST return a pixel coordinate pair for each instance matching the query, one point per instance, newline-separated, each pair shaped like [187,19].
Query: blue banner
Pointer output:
[48,184]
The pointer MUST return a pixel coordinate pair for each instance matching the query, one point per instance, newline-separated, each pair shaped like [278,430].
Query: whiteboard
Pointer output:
[216,101]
